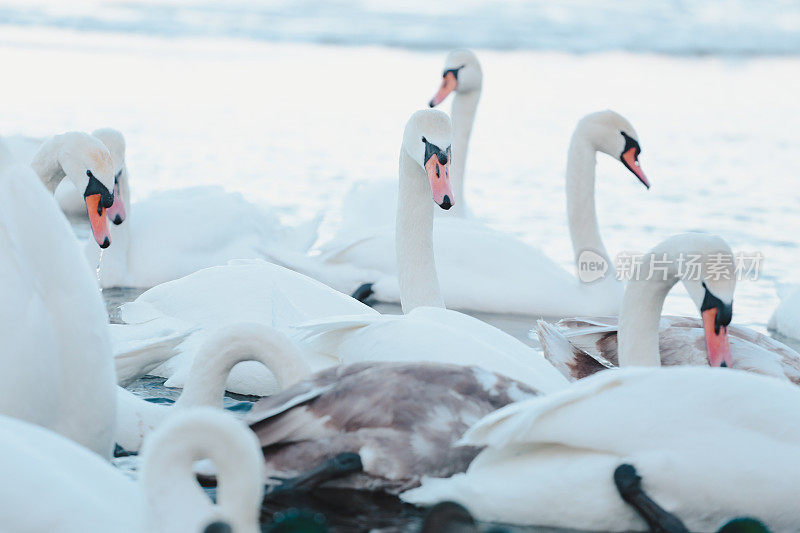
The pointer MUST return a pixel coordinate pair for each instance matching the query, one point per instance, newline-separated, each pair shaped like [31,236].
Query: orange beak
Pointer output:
[439,176]
[630,159]
[116,213]
[97,219]
[719,350]
[449,84]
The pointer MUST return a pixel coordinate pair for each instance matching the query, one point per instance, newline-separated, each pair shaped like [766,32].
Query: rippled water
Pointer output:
[667,26]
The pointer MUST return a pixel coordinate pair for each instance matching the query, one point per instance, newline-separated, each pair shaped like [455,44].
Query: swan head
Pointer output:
[709,275]
[611,133]
[115,142]
[427,139]
[462,74]
[87,163]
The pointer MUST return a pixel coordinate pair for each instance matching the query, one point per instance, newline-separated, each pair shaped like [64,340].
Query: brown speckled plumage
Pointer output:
[593,343]
[403,419]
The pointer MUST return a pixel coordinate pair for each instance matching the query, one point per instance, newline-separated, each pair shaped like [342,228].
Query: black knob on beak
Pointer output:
[108,199]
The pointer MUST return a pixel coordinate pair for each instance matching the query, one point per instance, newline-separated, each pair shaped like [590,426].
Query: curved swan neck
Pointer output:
[46,164]
[173,497]
[416,267]
[641,310]
[205,385]
[463,115]
[581,211]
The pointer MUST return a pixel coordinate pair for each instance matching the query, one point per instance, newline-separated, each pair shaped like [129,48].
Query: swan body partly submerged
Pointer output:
[402,419]
[785,320]
[582,346]
[330,334]
[483,269]
[710,444]
[175,232]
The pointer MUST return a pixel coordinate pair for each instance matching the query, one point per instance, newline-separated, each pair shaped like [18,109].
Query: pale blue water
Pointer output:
[664,26]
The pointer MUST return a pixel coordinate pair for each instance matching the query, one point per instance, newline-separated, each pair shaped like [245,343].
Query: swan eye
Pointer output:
[89,173]
[424,140]
[630,142]
[453,71]
[116,177]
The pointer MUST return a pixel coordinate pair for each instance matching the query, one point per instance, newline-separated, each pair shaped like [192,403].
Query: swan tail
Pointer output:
[134,359]
[325,336]
[573,362]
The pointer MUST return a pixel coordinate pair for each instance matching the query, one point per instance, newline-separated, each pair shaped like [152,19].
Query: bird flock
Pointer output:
[616,419]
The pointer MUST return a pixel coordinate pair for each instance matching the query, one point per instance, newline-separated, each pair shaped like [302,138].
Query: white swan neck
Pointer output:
[205,385]
[46,163]
[641,313]
[462,113]
[171,492]
[416,267]
[581,211]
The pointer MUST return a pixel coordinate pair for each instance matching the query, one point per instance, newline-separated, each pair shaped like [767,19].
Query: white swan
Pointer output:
[53,484]
[462,75]
[176,232]
[710,444]
[371,204]
[482,269]
[583,346]
[785,320]
[57,359]
[83,160]
[428,333]
[205,384]
[216,297]
[68,198]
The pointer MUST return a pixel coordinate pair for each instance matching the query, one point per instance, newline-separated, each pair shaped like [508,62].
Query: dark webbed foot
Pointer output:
[336,467]
[218,527]
[629,485]
[119,451]
[363,292]
[743,525]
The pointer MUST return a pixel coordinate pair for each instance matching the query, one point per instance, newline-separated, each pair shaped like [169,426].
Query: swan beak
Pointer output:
[449,84]
[717,345]
[439,176]
[116,213]
[630,159]
[97,219]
